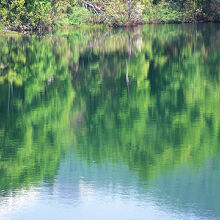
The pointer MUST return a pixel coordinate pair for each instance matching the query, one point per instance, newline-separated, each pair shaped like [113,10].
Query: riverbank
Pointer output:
[37,17]
[4,31]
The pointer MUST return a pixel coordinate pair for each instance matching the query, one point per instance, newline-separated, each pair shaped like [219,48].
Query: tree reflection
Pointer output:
[148,97]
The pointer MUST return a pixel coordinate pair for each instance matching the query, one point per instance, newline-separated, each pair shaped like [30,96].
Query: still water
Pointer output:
[111,124]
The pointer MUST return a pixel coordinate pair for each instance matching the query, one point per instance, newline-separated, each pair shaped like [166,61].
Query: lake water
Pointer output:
[108,124]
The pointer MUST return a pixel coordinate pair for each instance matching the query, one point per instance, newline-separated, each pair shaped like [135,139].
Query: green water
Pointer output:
[111,124]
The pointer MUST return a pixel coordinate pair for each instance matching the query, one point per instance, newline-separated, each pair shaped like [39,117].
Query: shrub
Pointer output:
[162,12]
[17,14]
[74,16]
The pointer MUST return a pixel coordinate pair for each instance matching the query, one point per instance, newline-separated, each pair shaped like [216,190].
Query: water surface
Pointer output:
[111,124]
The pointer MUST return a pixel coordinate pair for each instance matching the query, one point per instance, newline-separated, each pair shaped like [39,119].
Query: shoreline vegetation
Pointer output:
[43,15]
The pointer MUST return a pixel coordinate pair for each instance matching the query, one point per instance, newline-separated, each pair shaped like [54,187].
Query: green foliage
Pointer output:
[18,13]
[74,16]
[162,12]
[12,12]
[170,12]
[34,14]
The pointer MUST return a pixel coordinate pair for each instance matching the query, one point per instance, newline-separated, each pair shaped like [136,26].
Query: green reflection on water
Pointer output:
[147,97]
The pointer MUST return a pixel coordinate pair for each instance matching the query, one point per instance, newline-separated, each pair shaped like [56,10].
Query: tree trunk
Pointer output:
[129,8]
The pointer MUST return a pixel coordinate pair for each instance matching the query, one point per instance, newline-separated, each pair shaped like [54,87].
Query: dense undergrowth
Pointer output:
[43,14]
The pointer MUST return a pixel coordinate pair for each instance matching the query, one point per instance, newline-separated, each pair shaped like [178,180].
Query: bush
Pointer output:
[34,14]
[73,16]
[17,15]
[172,11]
[162,12]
